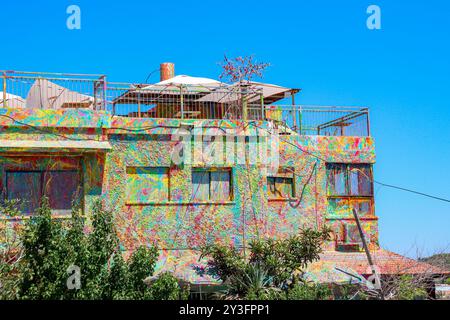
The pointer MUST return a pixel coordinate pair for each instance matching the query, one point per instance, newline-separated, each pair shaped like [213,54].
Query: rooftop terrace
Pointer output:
[181,97]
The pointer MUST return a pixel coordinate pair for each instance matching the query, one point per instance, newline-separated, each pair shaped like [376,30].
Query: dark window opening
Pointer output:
[28,187]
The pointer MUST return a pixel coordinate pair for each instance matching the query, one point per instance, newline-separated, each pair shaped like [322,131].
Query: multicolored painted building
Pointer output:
[190,161]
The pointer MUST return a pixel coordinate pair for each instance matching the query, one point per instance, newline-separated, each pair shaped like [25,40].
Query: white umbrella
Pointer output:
[11,101]
[254,90]
[44,94]
[196,84]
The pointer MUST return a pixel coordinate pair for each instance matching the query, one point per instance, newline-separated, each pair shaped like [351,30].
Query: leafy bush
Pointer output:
[49,246]
[408,290]
[271,268]
[309,291]
[166,287]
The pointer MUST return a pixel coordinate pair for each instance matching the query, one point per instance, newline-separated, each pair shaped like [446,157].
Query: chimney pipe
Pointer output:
[167,71]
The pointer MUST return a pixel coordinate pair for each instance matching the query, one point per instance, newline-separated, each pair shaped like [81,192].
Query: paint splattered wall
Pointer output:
[153,198]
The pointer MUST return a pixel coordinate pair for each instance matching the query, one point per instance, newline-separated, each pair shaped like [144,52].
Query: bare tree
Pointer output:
[411,280]
[242,68]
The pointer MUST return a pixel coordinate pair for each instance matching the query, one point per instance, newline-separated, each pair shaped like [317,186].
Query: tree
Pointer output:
[242,68]
[49,247]
[167,287]
[272,266]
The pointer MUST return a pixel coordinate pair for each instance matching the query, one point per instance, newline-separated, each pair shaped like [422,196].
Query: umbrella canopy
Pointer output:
[270,92]
[12,101]
[44,94]
[168,90]
[196,84]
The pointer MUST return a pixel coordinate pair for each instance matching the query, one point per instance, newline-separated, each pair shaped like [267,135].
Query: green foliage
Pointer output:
[141,265]
[270,268]
[166,287]
[282,258]
[309,291]
[10,251]
[42,270]
[408,290]
[50,246]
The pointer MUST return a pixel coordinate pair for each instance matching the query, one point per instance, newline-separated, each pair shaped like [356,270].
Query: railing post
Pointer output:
[95,94]
[294,111]
[244,102]
[263,116]
[300,119]
[181,102]
[368,122]
[139,102]
[105,89]
[4,89]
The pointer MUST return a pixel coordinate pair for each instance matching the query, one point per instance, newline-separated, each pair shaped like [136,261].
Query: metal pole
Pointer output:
[105,88]
[4,89]
[369,256]
[95,94]
[368,122]
[300,119]
[244,102]
[181,101]
[263,116]
[294,112]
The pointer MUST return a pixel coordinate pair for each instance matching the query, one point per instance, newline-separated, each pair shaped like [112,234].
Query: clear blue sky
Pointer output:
[401,72]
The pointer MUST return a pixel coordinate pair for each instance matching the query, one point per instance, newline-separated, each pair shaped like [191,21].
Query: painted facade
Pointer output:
[128,163]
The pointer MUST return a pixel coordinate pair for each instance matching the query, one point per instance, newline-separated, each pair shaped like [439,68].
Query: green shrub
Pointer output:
[270,268]
[309,291]
[166,287]
[49,247]
[408,290]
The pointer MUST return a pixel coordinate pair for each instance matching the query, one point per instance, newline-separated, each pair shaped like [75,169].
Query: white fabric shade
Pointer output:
[193,84]
[44,94]
[12,101]
[254,88]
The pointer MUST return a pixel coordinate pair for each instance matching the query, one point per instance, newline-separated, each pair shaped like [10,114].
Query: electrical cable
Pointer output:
[371,179]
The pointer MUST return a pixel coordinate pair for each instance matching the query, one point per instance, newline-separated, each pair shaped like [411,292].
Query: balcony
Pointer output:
[249,101]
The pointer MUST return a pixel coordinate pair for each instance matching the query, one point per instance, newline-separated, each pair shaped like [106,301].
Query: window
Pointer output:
[147,185]
[61,188]
[352,235]
[211,184]
[349,179]
[349,187]
[281,186]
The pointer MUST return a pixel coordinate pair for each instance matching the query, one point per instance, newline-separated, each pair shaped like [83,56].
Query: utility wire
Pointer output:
[249,123]
[150,74]
[411,191]
[371,179]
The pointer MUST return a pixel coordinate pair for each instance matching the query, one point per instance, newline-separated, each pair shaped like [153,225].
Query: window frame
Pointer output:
[349,199]
[41,192]
[347,193]
[282,174]
[209,170]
